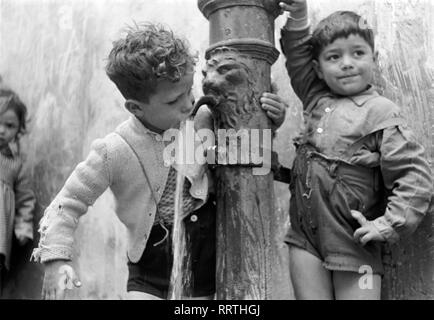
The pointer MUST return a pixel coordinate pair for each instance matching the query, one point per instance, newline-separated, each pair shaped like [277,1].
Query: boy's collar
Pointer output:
[146,127]
[151,128]
[363,97]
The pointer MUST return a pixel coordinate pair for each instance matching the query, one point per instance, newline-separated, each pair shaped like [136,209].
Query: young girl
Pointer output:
[17,200]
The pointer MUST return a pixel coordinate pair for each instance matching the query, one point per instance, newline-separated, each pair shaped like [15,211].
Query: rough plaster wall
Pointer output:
[408,78]
[52,53]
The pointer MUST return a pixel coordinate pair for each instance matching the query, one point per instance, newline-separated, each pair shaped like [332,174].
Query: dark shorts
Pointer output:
[323,193]
[152,273]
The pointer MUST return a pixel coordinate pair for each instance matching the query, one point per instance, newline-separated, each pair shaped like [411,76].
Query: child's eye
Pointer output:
[10,125]
[359,53]
[333,58]
[188,94]
[174,101]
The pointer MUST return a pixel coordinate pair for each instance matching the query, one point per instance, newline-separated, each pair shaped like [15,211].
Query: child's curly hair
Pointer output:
[9,100]
[340,24]
[148,53]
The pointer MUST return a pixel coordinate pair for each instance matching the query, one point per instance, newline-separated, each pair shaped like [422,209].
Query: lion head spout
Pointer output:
[228,79]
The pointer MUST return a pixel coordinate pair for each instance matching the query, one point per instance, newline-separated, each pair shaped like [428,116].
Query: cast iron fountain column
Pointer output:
[238,67]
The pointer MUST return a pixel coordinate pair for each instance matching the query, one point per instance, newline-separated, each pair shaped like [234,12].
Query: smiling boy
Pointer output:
[356,148]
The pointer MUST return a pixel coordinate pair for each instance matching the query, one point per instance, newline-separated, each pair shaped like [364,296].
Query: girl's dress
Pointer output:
[17,202]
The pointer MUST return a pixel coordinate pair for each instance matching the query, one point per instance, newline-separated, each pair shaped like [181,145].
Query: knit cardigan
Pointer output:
[117,162]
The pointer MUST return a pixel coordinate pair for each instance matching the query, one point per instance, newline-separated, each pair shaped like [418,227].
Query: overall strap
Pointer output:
[143,168]
[392,122]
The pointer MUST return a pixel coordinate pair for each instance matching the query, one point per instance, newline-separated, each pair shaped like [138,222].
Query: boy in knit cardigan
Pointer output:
[154,71]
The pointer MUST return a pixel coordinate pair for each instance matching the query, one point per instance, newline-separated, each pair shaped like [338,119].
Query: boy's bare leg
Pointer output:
[351,286]
[138,295]
[311,281]
[201,298]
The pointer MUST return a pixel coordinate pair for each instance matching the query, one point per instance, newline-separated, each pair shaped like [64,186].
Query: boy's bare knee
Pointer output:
[310,280]
[138,295]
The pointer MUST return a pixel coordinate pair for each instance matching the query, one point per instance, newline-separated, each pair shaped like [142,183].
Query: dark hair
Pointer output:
[147,54]
[9,100]
[340,24]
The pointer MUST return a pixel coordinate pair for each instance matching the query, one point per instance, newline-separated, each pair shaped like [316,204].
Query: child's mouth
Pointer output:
[350,76]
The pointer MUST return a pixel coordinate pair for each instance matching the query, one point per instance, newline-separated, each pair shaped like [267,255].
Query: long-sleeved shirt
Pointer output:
[333,123]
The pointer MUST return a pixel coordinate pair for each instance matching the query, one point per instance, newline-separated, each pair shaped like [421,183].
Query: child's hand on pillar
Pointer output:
[275,108]
[297,8]
[297,13]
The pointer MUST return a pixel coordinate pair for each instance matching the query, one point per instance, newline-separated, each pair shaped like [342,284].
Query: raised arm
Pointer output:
[295,43]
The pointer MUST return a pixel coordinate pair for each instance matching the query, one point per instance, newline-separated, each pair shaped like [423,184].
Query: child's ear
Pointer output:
[134,108]
[317,69]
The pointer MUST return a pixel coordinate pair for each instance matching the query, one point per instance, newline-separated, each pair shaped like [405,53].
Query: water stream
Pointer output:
[180,279]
